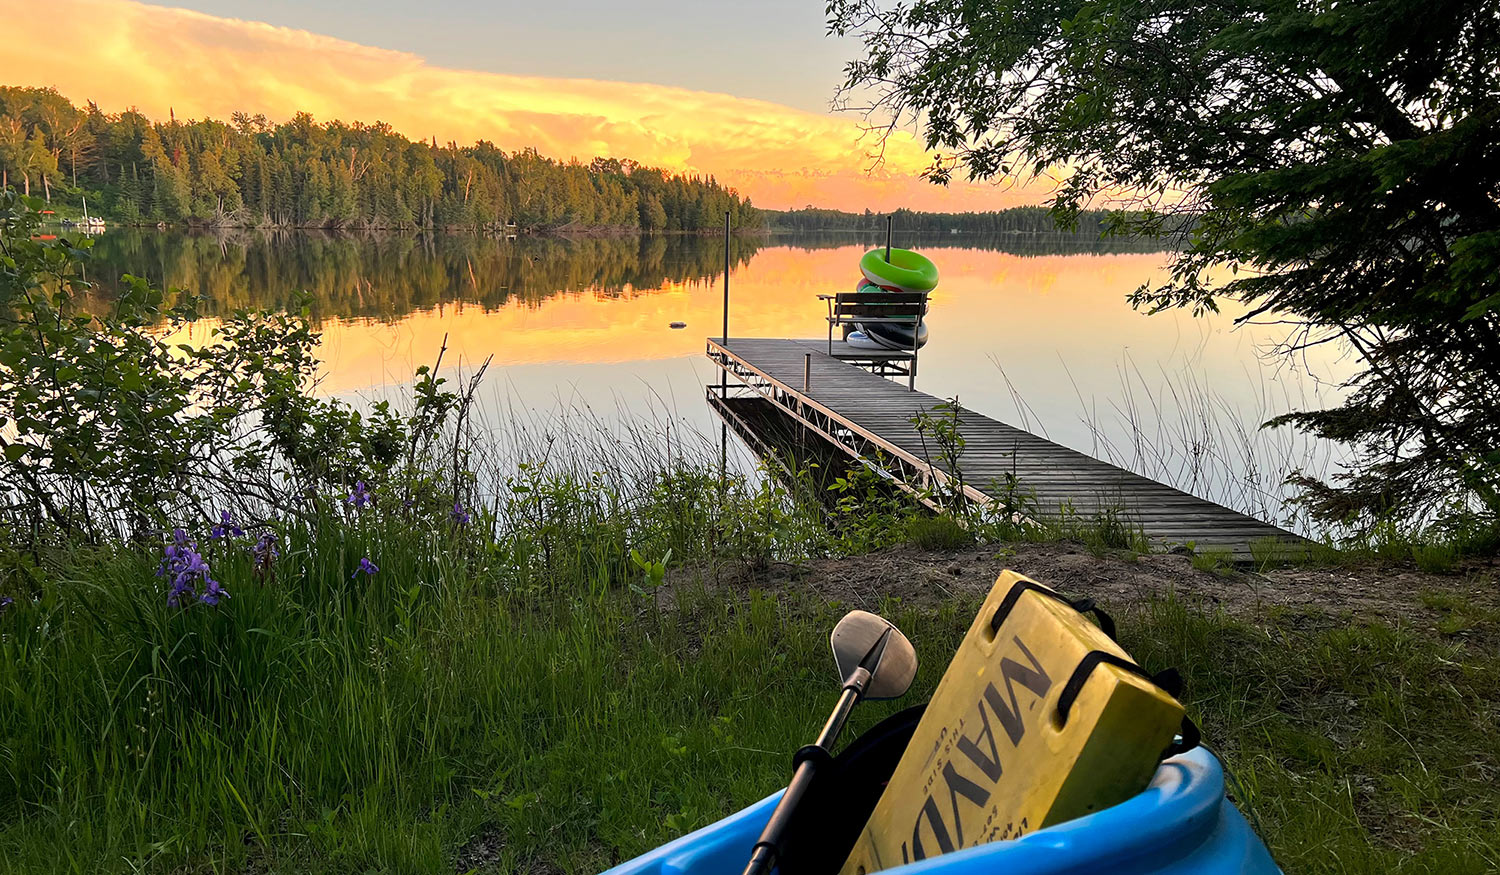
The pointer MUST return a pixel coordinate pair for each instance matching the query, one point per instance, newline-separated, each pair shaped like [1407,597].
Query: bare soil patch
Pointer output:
[1383,592]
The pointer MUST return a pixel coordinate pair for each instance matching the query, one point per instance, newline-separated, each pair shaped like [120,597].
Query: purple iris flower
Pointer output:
[213,592]
[368,567]
[264,552]
[186,570]
[361,495]
[459,515]
[226,528]
[6,602]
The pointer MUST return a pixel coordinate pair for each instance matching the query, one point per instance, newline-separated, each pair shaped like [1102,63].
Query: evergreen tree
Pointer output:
[302,173]
[1346,153]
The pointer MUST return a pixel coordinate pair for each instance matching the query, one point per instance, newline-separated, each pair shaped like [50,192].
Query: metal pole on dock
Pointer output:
[888,221]
[724,337]
[724,372]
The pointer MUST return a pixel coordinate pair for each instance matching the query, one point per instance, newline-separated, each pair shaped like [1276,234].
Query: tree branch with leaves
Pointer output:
[1341,159]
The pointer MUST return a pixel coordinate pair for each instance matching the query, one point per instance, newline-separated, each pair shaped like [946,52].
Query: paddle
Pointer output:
[875,661]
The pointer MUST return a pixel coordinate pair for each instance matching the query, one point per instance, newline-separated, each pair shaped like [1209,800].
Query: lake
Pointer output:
[1033,330]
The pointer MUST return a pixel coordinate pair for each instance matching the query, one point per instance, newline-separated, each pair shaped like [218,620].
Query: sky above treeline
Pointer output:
[738,90]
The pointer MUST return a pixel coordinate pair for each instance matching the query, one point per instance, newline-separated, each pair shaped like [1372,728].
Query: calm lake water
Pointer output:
[1033,330]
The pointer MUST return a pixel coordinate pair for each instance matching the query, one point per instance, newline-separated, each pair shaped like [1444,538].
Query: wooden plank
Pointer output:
[880,412]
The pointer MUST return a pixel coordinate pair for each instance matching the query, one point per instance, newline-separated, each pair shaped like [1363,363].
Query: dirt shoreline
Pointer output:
[1389,593]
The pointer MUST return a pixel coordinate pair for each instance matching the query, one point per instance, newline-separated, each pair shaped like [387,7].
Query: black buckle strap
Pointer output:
[1092,660]
[1083,606]
[1188,737]
[1168,680]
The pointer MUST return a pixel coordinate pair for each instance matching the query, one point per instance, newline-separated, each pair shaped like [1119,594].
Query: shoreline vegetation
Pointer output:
[383,275]
[246,629]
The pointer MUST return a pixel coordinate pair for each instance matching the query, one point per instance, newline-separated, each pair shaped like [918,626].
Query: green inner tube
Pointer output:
[907,271]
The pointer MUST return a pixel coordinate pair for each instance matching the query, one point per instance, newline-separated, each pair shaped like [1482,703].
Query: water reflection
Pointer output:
[387,276]
[1031,330]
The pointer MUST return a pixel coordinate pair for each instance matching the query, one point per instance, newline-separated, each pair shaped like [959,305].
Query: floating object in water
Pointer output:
[907,271]
[678,325]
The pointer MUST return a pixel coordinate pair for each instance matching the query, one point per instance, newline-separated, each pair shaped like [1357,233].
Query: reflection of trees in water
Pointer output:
[385,276]
[1016,243]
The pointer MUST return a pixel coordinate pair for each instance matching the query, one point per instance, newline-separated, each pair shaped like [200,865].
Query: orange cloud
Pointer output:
[122,54]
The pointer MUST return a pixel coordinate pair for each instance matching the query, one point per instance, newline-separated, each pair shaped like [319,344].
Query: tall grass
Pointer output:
[365,719]
[459,710]
[1356,746]
[1177,428]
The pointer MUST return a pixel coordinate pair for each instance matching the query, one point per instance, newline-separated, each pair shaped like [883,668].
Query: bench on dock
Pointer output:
[848,309]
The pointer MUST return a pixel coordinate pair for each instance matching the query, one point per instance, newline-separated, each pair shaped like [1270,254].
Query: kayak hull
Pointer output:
[1182,823]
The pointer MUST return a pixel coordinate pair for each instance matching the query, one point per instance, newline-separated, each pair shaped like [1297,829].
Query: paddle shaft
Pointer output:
[768,848]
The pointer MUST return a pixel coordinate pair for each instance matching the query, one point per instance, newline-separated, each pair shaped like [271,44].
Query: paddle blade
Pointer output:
[863,637]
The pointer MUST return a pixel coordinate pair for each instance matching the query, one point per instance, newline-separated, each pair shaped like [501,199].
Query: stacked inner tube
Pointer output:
[906,271]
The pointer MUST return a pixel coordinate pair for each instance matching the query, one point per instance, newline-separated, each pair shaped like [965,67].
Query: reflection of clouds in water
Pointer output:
[1044,341]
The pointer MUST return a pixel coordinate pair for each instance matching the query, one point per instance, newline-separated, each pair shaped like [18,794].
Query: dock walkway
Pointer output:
[865,415]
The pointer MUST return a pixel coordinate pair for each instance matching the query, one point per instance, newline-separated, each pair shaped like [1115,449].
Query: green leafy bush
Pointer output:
[113,425]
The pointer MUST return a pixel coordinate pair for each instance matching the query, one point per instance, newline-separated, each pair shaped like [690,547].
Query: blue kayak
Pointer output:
[1182,823]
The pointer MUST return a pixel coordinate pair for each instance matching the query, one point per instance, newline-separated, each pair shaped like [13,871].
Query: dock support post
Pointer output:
[806,371]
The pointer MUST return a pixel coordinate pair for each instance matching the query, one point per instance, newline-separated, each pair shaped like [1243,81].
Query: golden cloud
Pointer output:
[126,54]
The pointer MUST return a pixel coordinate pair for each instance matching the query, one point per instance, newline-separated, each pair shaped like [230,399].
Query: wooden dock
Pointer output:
[869,417]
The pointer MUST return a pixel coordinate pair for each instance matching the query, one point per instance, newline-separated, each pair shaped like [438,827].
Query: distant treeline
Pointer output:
[1036,220]
[249,172]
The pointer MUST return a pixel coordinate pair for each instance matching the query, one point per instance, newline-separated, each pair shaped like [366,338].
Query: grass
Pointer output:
[464,707]
[1215,561]
[323,722]
[1359,747]
[938,532]
[1458,614]
[1434,549]
[517,695]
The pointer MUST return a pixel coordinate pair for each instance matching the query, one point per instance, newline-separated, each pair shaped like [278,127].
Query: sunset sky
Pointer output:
[738,90]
